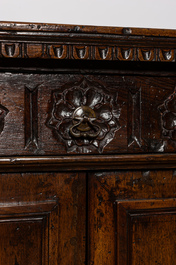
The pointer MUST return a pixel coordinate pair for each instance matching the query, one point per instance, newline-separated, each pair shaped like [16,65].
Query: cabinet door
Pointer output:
[132,218]
[42,218]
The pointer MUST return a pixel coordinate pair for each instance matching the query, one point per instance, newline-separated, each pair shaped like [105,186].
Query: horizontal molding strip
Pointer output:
[81,163]
[104,52]
[49,27]
[71,42]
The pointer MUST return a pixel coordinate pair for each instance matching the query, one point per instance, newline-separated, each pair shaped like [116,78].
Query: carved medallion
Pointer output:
[3,113]
[168,117]
[84,115]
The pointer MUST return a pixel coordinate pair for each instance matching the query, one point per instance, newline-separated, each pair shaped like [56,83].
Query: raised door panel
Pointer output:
[42,218]
[132,217]
[25,229]
[146,232]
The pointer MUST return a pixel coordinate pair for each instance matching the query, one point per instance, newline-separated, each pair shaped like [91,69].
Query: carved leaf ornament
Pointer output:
[168,117]
[85,116]
[3,113]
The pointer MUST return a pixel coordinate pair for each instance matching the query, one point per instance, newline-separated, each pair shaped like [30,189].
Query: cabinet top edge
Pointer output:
[66,28]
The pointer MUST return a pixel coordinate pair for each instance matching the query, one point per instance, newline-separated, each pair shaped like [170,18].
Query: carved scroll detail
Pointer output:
[85,116]
[31,117]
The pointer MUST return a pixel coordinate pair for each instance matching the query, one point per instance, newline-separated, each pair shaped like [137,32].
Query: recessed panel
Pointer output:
[24,232]
[146,232]
[22,241]
[42,218]
[153,239]
[132,215]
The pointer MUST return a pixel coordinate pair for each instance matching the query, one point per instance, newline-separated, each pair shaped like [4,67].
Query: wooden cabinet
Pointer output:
[87,145]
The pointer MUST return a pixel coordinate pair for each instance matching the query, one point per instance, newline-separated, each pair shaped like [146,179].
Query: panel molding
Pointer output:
[27,207]
[126,211]
[83,162]
[24,213]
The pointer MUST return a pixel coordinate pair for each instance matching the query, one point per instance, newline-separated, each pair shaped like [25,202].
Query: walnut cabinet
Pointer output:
[87,145]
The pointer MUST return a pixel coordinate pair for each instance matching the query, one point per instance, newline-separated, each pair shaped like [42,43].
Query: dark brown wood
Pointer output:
[130,113]
[145,229]
[48,27]
[83,162]
[132,217]
[86,43]
[42,218]
[87,145]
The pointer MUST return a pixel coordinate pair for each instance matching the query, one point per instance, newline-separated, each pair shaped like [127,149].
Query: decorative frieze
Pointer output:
[86,52]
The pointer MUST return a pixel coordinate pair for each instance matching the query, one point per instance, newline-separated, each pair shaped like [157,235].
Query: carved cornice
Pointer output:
[86,52]
[86,43]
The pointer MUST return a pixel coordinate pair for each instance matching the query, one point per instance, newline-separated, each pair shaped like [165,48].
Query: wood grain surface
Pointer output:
[132,217]
[141,103]
[87,145]
[42,218]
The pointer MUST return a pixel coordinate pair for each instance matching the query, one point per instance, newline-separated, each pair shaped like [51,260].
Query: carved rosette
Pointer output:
[168,118]
[3,113]
[84,115]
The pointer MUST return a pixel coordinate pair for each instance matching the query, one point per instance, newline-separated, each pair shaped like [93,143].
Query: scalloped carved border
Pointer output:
[86,52]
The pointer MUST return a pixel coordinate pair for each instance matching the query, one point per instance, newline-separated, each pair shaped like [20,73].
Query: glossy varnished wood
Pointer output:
[42,218]
[88,163]
[132,217]
[87,145]
[48,27]
[30,125]
[87,43]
